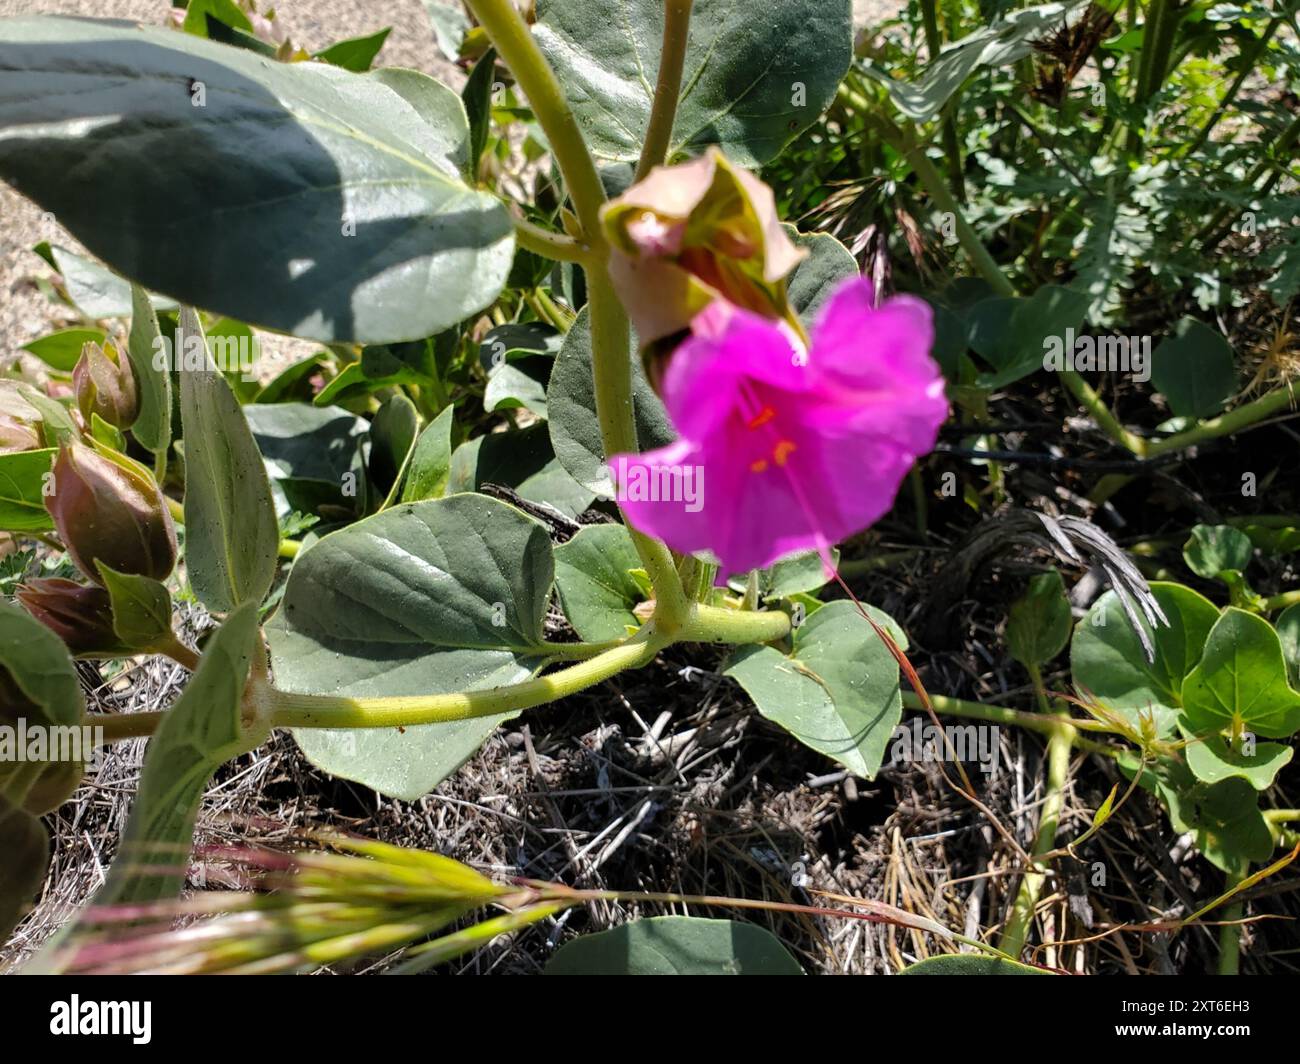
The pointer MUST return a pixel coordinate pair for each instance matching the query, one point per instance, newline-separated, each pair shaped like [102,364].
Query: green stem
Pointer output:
[611,358]
[288,710]
[1280,602]
[611,366]
[1230,931]
[1157,44]
[120,726]
[1101,413]
[549,244]
[515,45]
[173,648]
[1223,425]
[1016,933]
[713,624]
[1016,718]
[672,57]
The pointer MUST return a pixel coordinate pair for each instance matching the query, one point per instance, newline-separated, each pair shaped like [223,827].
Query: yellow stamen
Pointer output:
[761,418]
[783,451]
[758,466]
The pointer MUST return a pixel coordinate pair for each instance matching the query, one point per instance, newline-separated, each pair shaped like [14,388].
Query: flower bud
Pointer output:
[109,509]
[105,385]
[690,234]
[80,615]
[16,435]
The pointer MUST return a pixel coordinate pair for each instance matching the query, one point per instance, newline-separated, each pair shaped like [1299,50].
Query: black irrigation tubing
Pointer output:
[1095,465]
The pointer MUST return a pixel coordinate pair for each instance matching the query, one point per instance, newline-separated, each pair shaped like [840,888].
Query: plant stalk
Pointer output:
[672,58]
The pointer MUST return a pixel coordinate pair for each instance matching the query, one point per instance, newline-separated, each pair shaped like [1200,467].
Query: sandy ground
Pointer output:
[26,314]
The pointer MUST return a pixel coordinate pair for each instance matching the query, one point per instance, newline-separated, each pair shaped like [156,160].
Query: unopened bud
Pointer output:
[17,435]
[109,509]
[79,614]
[105,385]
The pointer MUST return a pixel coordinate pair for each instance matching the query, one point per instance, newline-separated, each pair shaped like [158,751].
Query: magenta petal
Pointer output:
[885,348]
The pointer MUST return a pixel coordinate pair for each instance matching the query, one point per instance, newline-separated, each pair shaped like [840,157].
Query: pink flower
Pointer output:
[784,450]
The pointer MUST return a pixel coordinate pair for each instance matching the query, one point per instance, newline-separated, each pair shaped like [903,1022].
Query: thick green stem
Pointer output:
[654,150]
[1163,18]
[611,357]
[1016,933]
[712,624]
[1230,931]
[514,42]
[1223,425]
[119,726]
[611,366]
[1101,413]
[549,244]
[288,710]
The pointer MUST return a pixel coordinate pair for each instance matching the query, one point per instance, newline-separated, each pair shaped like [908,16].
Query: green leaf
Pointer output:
[1214,549]
[1224,818]
[307,199]
[22,502]
[1193,369]
[95,291]
[1212,760]
[293,384]
[970,964]
[142,607]
[430,461]
[751,83]
[518,384]
[1288,634]
[812,281]
[477,97]
[227,12]
[449,27]
[57,425]
[356,53]
[61,349]
[571,408]
[1240,681]
[836,692]
[26,847]
[1107,659]
[1039,624]
[997,42]
[231,533]
[676,945]
[40,665]
[1022,345]
[392,438]
[309,452]
[153,426]
[200,732]
[424,598]
[593,577]
[791,576]
[522,460]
